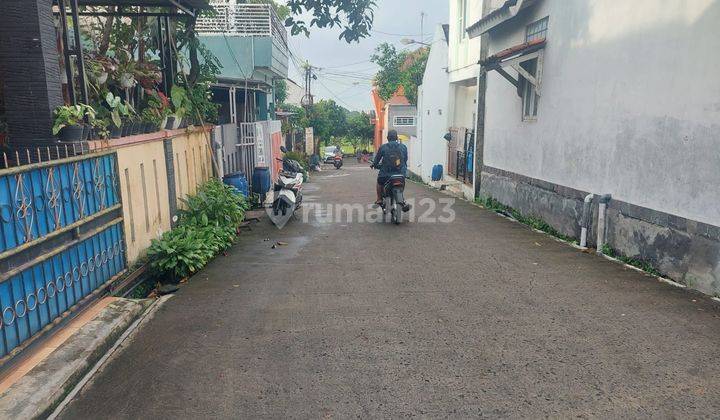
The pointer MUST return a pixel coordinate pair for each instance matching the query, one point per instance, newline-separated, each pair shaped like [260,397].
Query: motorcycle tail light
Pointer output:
[397,183]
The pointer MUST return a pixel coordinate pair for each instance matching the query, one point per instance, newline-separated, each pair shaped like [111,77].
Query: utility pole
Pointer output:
[307,100]
[422,26]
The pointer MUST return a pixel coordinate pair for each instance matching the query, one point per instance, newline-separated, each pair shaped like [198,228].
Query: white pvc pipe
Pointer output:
[586,220]
[601,227]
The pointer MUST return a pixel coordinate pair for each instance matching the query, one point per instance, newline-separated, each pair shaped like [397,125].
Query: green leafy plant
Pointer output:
[118,109]
[179,99]
[181,252]
[71,115]
[208,225]
[215,203]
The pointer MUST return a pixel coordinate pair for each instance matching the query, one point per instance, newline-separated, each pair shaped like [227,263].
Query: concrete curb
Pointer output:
[142,319]
[40,390]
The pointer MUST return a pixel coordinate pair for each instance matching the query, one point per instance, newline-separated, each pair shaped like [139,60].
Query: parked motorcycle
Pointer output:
[393,203]
[338,162]
[288,187]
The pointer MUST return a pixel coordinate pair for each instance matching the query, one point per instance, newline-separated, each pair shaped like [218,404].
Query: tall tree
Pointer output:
[355,17]
[399,68]
[329,120]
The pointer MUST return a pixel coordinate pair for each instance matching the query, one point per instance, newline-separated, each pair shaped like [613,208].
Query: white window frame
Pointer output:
[410,118]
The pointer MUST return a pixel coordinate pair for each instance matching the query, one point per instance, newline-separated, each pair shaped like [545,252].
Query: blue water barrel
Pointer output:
[239,181]
[437,172]
[470,160]
[261,181]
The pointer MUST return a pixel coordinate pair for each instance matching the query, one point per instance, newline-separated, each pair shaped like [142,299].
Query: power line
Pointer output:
[394,34]
[349,65]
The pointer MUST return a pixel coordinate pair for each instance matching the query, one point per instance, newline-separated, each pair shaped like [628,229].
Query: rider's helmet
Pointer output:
[392,135]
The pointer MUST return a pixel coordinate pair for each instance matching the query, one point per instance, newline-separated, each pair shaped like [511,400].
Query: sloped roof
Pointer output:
[446,30]
[507,11]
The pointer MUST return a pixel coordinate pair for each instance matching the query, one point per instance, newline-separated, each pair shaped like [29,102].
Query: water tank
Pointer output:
[437,172]
[239,181]
[261,181]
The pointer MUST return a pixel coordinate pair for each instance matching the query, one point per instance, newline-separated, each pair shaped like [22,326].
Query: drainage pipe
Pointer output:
[585,222]
[602,211]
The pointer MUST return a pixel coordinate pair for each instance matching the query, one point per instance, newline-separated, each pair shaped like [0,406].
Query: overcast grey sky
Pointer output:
[347,67]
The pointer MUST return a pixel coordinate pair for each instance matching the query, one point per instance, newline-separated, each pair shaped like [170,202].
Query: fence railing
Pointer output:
[464,167]
[61,239]
[243,20]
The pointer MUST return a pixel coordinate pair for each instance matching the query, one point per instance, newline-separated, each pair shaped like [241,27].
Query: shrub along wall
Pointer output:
[208,225]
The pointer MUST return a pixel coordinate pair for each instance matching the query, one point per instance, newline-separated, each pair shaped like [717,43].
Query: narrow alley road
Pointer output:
[477,317]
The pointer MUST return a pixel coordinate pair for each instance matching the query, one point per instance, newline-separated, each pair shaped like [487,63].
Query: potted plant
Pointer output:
[156,110]
[118,111]
[69,123]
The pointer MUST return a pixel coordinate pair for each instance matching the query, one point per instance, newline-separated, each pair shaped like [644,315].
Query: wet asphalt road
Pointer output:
[480,317]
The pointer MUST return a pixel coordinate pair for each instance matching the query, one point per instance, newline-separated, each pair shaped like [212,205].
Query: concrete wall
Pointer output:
[621,111]
[146,181]
[463,106]
[433,112]
[630,106]
[464,53]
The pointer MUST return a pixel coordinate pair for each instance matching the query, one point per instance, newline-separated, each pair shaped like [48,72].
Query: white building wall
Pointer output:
[464,53]
[433,110]
[630,103]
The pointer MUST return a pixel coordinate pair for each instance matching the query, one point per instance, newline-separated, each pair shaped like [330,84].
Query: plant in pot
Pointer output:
[117,111]
[134,119]
[69,123]
[156,110]
[101,128]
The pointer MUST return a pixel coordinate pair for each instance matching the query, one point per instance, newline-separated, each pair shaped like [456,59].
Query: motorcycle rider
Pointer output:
[391,159]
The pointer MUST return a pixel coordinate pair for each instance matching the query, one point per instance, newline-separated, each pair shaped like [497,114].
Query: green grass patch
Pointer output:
[531,221]
[644,265]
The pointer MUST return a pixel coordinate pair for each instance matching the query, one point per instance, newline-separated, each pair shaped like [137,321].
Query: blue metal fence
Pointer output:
[60,240]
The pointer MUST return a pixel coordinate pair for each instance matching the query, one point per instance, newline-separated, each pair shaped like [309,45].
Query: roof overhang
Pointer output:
[513,57]
[507,11]
[187,6]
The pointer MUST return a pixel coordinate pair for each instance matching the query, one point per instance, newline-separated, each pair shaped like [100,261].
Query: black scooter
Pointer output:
[393,198]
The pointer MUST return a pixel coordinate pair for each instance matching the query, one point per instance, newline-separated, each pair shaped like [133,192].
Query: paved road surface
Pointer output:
[479,317]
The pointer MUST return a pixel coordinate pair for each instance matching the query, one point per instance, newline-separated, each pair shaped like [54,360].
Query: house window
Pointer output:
[404,121]
[537,29]
[530,97]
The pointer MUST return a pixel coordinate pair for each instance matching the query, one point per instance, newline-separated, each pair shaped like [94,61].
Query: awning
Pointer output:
[506,12]
[512,57]
[187,6]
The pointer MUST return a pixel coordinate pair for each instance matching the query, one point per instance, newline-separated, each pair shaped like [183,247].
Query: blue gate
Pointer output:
[61,241]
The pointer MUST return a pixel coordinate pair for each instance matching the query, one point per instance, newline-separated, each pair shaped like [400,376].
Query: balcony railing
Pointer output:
[243,20]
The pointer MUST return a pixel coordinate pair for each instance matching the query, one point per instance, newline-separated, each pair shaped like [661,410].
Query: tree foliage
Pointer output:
[281,91]
[329,121]
[355,17]
[399,68]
